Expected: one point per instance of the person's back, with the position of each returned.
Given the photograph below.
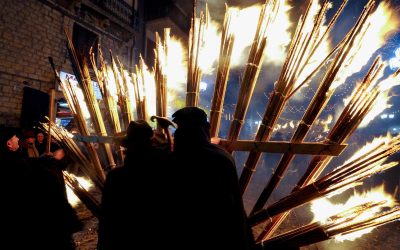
(130, 208)
(208, 207)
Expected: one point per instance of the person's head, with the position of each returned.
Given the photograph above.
(138, 134)
(9, 139)
(29, 137)
(40, 137)
(193, 126)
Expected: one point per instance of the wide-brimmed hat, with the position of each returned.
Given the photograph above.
(138, 132)
(190, 116)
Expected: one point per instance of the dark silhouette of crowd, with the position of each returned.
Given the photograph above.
(181, 197)
(187, 199)
(36, 213)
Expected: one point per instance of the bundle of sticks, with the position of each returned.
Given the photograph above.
(81, 69)
(342, 224)
(303, 47)
(65, 139)
(360, 104)
(221, 80)
(268, 13)
(139, 90)
(194, 73)
(340, 179)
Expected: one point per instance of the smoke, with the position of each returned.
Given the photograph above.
(217, 7)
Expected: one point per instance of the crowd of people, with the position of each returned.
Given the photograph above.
(185, 198)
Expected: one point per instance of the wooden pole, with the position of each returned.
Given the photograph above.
(51, 119)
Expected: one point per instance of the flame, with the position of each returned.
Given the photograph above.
(210, 48)
(81, 99)
(276, 44)
(369, 146)
(176, 72)
(323, 209)
(149, 86)
(85, 183)
(380, 105)
(322, 50)
(111, 85)
(130, 91)
(325, 123)
(244, 24)
(382, 100)
(381, 24)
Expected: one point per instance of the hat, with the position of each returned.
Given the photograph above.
(6, 133)
(138, 132)
(190, 116)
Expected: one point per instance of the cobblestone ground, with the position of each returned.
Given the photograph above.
(87, 238)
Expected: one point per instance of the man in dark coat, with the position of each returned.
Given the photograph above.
(130, 206)
(36, 213)
(208, 209)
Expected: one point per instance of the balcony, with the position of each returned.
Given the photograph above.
(116, 8)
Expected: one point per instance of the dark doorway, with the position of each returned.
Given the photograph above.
(35, 106)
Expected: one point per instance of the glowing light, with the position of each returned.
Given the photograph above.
(369, 146)
(382, 24)
(323, 209)
(72, 198)
(394, 62)
(244, 24)
(203, 86)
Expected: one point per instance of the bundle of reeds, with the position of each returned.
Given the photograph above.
(267, 16)
(119, 85)
(94, 170)
(83, 76)
(303, 47)
(139, 89)
(342, 178)
(196, 39)
(160, 74)
(362, 100)
(224, 63)
(90, 202)
(109, 101)
(341, 224)
(320, 99)
(126, 94)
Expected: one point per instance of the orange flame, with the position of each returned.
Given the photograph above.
(323, 209)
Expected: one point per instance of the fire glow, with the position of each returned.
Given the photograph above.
(72, 198)
(323, 210)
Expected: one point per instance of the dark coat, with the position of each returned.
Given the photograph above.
(131, 207)
(37, 214)
(208, 207)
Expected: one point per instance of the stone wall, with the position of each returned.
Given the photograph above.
(30, 32)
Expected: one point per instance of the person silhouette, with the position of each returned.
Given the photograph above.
(129, 210)
(207, 205)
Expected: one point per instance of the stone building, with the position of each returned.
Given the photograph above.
(33, 30)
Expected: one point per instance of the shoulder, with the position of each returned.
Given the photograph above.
(116, 173)
(221, 152)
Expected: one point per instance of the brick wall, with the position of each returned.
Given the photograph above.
(30, 32)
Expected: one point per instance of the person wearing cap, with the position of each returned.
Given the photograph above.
(130, 202)
(36, 214)
(207, 206)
